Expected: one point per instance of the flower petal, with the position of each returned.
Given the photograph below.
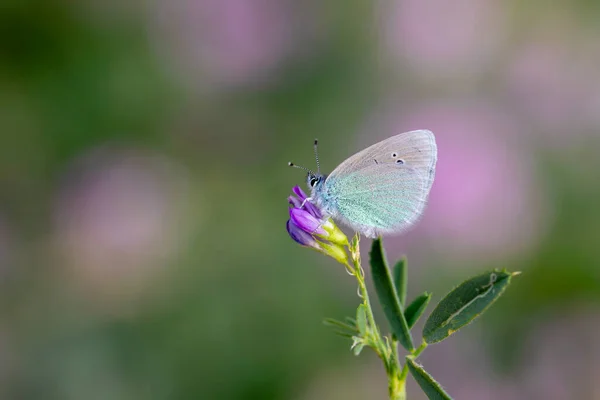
(307, 205)
(301, 236)
(294, 202)
(306, 221)
(298, 191)
(313, 210)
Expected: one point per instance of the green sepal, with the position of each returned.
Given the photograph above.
(416, 308)
(387, 296)
(401, 280)
(357, 345)
(465, 303)
(432, 389)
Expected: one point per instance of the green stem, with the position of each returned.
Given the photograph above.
(397, 386)
(388, 352)
(365, 296)
(416, 353)
(360, 278)
(420, 349)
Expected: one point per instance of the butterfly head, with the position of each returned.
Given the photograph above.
(313, 180)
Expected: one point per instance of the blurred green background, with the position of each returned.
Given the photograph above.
(143, 185)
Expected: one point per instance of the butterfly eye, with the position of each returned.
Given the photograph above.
(313, 182)
(394, 155)
(399, 161)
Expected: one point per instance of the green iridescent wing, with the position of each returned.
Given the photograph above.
(384, 188)
(415, 149)
(379, 198)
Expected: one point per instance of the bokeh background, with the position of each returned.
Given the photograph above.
(143, 185)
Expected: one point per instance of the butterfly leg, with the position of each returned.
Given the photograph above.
(304, 201)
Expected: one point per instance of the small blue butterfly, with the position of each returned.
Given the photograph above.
(382, 189)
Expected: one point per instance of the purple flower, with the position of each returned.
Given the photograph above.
(309, 227)
(301, 236)
(305, 219)
(308, 206)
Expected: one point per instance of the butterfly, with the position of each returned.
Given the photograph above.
(382, 189)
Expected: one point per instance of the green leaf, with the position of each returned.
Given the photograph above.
(432, 389)
(415, 309)
(464, 303)
(361, 319)
(401, 280)
(341, 326)
(387, 296)
(344, 334)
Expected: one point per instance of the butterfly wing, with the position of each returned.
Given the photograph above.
(380, 198)
(384, 188)
(415, 149)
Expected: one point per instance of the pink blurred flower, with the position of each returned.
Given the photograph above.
(485, 201)
(546, 84)
(225, 41)
(116, 220)
(442, 38)
(555, 84)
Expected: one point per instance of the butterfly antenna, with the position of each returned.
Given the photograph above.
(317, 156)
(291, 164)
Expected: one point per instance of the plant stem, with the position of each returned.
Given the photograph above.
(388, 352)
(389, 356)
(379, 345)
(397, 388)
(414, 354)
(386, 349)
(365, 296)
(420, 349)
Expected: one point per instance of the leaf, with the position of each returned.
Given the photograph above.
(432, 389)
(465, 303)
(387, 296)
(344, 334)
(401, 280)
(343, 328)
(416, 308)
(361, 319)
